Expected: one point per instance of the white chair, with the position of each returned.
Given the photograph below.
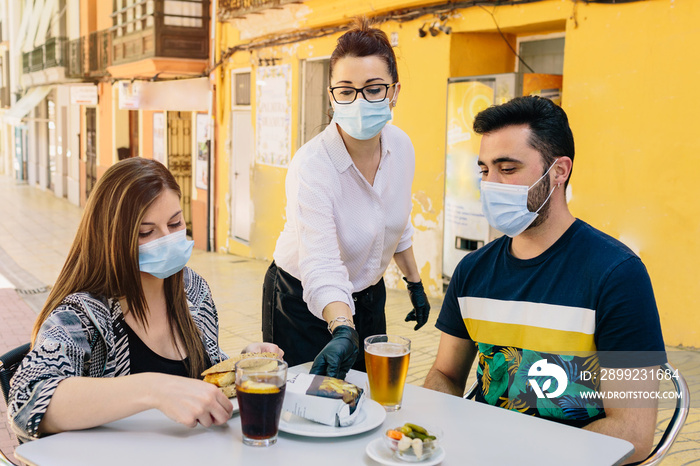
(677, 420)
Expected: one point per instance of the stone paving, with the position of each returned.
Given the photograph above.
(37, 230)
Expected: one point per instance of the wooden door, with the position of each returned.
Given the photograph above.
(180, 159)
(90, 149)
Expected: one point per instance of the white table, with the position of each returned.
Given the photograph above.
(473, 433)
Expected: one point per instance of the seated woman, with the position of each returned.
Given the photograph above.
(127, 327)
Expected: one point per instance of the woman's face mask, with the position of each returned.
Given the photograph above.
(166, 255)
(363, 93)
(362, 119)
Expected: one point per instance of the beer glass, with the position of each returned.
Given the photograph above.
(386, 357)
(260, 384)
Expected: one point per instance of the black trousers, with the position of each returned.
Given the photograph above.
(287, 321)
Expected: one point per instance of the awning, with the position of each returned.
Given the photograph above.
(48, 14)
(36, 14)
(24, 105)
(18, 42)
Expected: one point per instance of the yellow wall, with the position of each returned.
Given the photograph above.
(628, 90)
(631, 94)
(474, 54)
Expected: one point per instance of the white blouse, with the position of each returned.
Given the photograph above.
(341, 232)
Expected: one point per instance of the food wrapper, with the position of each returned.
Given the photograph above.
(322, 399)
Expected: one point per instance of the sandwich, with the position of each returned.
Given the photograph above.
(223, 374)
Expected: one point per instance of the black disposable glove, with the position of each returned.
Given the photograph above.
(421, 306)
(338, 356)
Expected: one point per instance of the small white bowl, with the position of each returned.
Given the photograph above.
(409, 455)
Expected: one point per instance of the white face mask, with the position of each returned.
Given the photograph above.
(505, 205)
(166, 255)
(361, 119)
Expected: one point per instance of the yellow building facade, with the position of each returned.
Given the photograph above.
(629, 88)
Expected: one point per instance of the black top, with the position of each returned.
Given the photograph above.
(144, 359)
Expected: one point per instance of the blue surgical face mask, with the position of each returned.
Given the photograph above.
(361, 119)
(505, 205)
(165, 256)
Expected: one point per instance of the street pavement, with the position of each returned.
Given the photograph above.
(37, 229)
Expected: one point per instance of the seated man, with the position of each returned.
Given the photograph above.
(554, 297)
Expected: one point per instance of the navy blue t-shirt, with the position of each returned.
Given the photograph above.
(579, 304)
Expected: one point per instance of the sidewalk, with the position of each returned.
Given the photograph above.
(37, 230)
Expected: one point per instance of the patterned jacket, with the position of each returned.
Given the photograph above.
(85, 336)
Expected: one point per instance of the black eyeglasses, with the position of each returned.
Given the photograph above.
(372, 93)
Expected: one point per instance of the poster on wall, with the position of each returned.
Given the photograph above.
(202, 146)
(159, 137)
(273, 128)
(466, 228)
(130, 94)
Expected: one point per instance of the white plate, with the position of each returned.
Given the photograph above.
(371, 416)
(378, 451)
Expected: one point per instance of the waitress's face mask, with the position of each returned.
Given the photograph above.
(362, 119)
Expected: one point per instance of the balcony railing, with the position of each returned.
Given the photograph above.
(161, 28)
(99, 52)
(49, 55)
(36, 59)
(143, 29)
(89, 56)
(77, 67)
(55, 53)
(229, 9)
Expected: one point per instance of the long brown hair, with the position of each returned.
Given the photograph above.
(362, 40)
(104, 261)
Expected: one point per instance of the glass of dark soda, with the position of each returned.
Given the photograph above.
(260, 384)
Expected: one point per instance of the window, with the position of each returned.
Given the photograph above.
(315, 103)
(543, 56)
(241, 83)
(133, 15)
(187, 13)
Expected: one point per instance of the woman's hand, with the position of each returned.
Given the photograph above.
(338, 356)
(107, 399)
(263, 348)
(190, 401)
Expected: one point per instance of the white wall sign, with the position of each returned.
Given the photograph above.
(273, 128)
(202, 150)
(130, 95)
(83, 95)
(159, 137)
(192, 95)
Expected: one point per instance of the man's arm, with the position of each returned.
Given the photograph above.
(630, 419)
(452, 365)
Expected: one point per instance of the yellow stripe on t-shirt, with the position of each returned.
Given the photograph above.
(529, 325)
(527, 337)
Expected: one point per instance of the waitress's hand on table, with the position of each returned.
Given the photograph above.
(338, 356)
(190, 401)
(263, 348)
(421, 306)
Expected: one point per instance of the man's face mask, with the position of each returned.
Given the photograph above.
(505, 205)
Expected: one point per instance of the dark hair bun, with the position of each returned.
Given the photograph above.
(363, 40)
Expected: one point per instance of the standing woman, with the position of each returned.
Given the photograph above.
(127, 327)
(348, 213)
